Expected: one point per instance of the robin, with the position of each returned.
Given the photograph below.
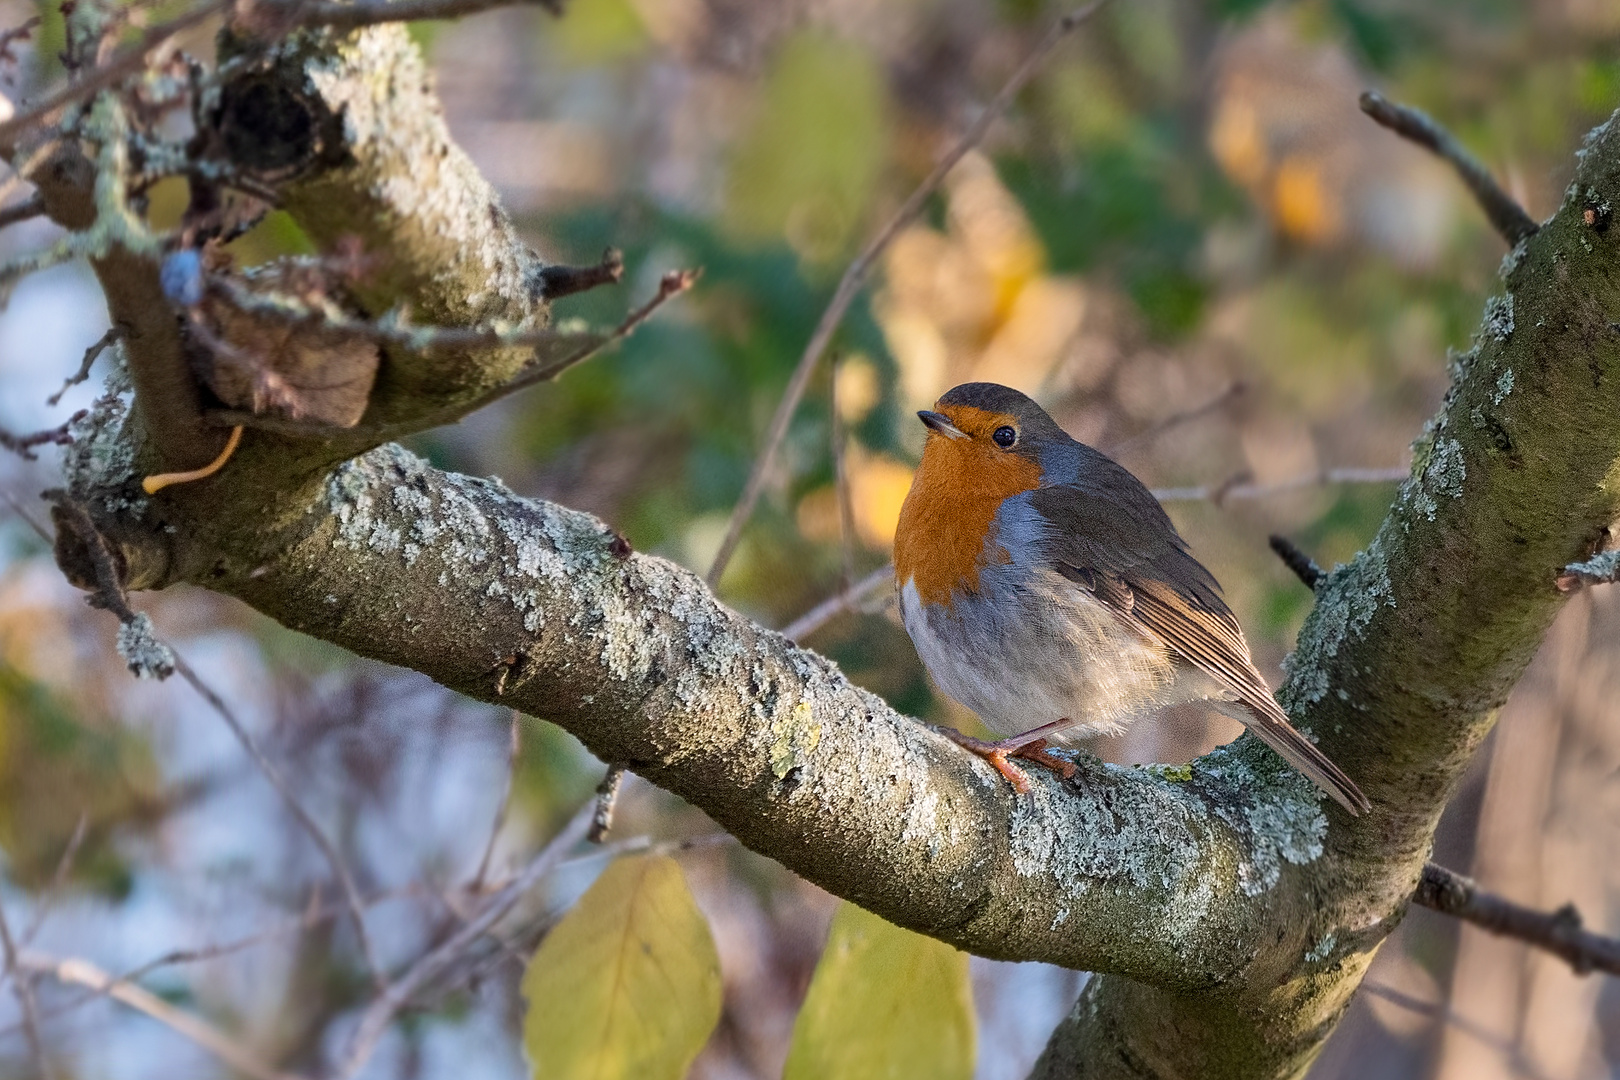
(1046, 589)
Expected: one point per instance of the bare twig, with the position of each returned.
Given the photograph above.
(22, 984)
(91, 83)
(23, 445)
(1233, 489)
(607, 801)
(351, 16)
(81, 972)
(10, 37)
(1231, 391)
(24, 171)
(1558, 932)
(110, 596)
(1601, 569)
(567, 280)
(855, 275)
(31, 207)
(1303, 566)
(64, 867)
(1506, 215)
(334, 858)
(27, 518)
(846, 501)
(514, 746)
(846, 600)
(380, 1014)
(670, 286)
(113, 334)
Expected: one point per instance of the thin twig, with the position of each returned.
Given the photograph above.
(380, 1014)
(1303, 566)
(560, 281)
(31, 207)
(846, 501)
(1601, 569)
(22, 985)
(670, 286)
(10, 37)
(855, 275)
(110, 596)
(64, 867)
(340, 15)
(127, 62)
(28, 519)
(23, 445)
(79, 972)
(1232, 390)
(1558, 932)
(113, 334)
(514, 746)
(607, 801)
(23, 172)
(846, 600)
(334, 858)
(1229, 490)
(1505, 214)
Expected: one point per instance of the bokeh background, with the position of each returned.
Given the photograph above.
(1184, 238)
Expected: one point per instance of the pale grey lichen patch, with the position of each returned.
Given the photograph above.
(1346, 601)
(1144, 833)
(1498, 318)
(1603, 567)
(1279, 810)
(1504, 387)
(101, 458)
(147, 656)
(1512, 260)
(1322, 949)
(1446, 469)
(1459, 364)
(1438, 470)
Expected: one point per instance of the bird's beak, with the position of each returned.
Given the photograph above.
(938, 422)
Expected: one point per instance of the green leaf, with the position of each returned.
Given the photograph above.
(885, 1004)
(627, 984)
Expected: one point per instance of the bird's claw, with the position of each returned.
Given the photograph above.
(999, 753)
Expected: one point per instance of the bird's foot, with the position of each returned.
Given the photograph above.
(1020, 746)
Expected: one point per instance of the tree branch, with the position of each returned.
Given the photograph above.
(1505, 214)
(1558, 932)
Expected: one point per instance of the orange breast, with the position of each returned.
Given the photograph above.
(959, 487)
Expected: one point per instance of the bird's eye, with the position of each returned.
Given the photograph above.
(1005, 437)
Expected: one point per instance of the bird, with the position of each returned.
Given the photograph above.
(1046, 590)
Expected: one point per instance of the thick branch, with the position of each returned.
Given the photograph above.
(397, 560)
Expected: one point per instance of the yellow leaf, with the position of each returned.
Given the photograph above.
(885, 1004)
(627, 984)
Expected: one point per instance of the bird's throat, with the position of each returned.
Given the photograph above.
(940, 543)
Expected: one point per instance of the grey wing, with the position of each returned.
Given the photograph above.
(1126, 552)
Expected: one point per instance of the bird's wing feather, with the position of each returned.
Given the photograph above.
(1110, 535)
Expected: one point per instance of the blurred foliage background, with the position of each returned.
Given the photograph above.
(1185, 239)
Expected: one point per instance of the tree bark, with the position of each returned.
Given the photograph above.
(1230, 911)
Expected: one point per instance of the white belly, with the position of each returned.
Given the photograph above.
(1046, 652)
